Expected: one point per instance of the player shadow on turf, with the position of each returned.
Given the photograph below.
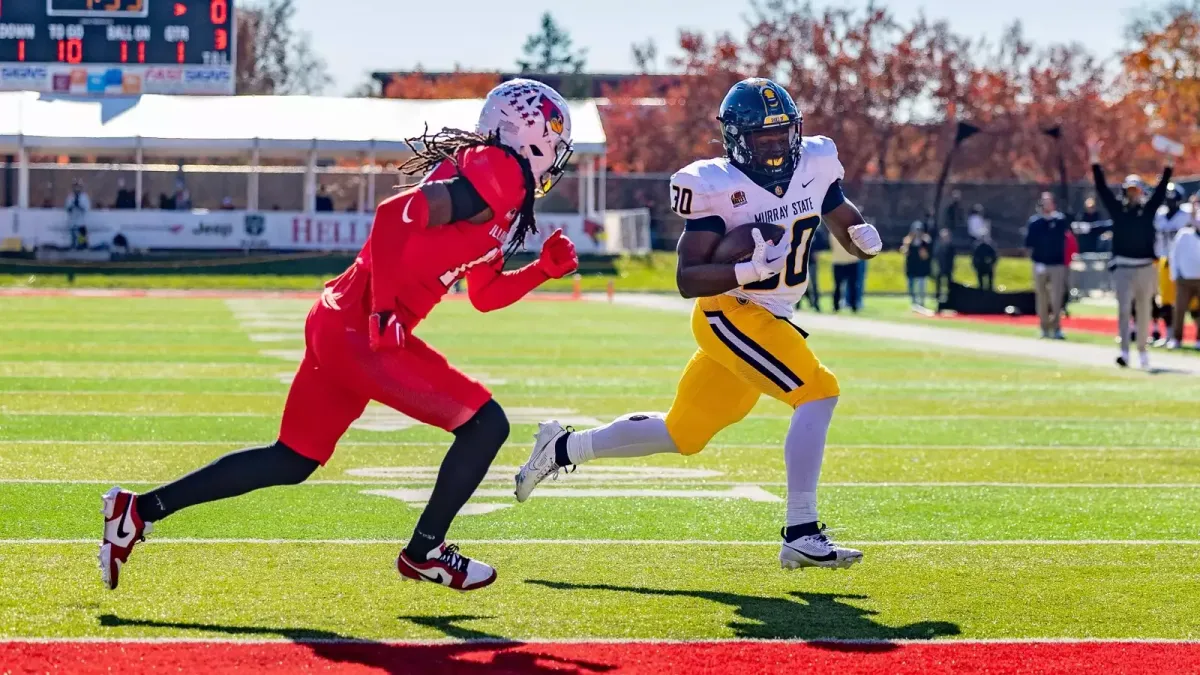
(818, 618)
(455, 658)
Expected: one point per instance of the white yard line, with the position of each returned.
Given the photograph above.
(665, 482)
(1062, 421)
(948, 643)
(710, 446)
(1068, 353)
(626, 542)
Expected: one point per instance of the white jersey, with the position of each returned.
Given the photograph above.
(1167, 227)
(715, 187)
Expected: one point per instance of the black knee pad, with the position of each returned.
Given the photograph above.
(293, 467)
(488, 427)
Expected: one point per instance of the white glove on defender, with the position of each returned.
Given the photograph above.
(766, 261)
(866, 238)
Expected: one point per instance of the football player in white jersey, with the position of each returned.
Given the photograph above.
(741, 320)
(1172, 216)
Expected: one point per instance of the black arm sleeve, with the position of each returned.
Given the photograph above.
(706, 224)
(1106, 196)
(465, 201)
(1160, 192)
(834, 197)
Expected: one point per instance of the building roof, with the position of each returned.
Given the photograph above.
(277, 125)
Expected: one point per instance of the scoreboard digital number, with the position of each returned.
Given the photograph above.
(117, 47)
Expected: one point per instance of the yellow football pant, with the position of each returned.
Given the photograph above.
(745, 351)
(1166, 287)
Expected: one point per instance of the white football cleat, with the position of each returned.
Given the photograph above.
(541, 462)
(123, 529)
(446, 566)
(1144, 360)
(815, 550)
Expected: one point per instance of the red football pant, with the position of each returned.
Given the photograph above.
(340, 375)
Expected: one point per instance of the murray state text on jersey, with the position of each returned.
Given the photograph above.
(795, 210)
(714, 190)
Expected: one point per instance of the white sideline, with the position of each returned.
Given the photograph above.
(946, 642)
(932, 336)
(626, 542)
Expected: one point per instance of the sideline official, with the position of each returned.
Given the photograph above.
(1134, 275)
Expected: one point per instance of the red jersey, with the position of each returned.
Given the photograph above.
(413, 279)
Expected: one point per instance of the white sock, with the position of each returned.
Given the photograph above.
(633, 435)
(803, 453)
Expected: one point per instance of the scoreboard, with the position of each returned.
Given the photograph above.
(118, 47)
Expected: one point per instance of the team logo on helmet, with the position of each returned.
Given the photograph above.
(555, 121)
(774, 105)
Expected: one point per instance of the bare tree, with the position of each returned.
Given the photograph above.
(272, 56)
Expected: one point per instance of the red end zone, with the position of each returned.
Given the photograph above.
(1109, 658)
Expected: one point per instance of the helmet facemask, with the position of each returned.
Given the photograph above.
(773, 150)
(550, 177)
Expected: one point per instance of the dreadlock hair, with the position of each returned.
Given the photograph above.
(429, 150)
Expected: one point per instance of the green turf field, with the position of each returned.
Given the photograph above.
(993, 498)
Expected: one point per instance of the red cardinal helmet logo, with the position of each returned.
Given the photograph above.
(551, 113)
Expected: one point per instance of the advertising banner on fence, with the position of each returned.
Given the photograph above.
(229, 230)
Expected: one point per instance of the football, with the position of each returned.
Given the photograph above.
(738, 244)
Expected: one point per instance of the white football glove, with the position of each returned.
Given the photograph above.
(866, 238)
(767, 260)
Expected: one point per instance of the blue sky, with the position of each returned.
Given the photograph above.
(358, 36)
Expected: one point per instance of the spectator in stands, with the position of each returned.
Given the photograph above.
(182, 197)
(120, 244)
(1132, 264)
(77, 205)
(48, 195)
(146, 201)
(1087, 234)
(977, 225)
(845, 276)
(943, 263)
(324, 201)
(1184, 260)
(954, 214)
(126, 199)
(1046, 241)
(227, 204)
(983, 259)
(917, 249)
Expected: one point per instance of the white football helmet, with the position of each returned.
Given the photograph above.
(532, 119)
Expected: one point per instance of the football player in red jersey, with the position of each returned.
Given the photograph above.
(473, 208)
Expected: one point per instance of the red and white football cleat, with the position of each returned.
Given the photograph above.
(446, 566)
(123, 529)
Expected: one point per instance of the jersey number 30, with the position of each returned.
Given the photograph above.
(796, 271)
(681, 200)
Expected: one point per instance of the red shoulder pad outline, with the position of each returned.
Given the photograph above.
(495, 175)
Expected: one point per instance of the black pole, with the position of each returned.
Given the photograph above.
(962, 132)
(8, 180)
(941, 184)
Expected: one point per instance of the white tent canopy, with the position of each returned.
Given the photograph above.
(274, 125)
